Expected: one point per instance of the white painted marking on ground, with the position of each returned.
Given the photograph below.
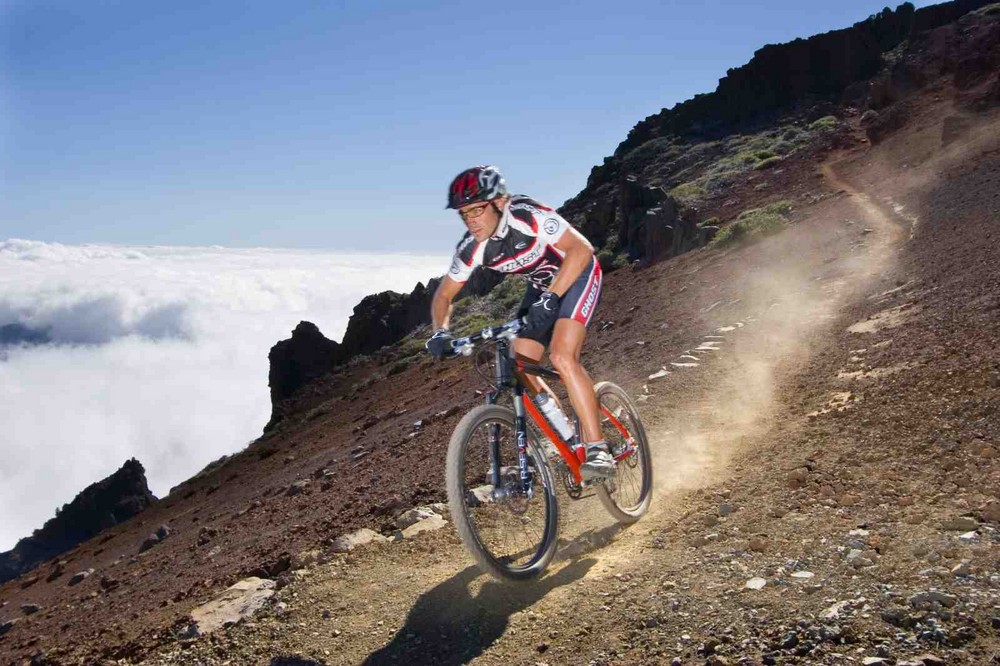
(684, 365)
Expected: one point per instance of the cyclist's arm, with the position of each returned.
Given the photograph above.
(441, 304)
(579, 252)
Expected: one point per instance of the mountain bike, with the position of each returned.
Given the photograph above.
(501, 484)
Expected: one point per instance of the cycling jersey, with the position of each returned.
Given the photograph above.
(524, 242)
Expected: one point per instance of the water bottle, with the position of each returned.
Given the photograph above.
(554, 415)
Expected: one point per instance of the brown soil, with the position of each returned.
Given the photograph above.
(807, 423)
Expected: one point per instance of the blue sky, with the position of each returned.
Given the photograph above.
(336, 125)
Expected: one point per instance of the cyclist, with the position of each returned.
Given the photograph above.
(515, 234)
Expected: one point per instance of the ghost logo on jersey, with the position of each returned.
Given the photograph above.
(551, 226)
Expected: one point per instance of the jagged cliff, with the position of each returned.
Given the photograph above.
(99, 506)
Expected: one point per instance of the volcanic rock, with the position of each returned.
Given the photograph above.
(99, 506)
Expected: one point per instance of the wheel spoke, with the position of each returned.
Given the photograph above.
(511, 527)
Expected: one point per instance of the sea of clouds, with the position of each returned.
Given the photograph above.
(158, 353)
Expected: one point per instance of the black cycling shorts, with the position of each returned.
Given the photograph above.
(578, 303)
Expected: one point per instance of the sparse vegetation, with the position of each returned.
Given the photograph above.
(611, 257)
(399, 366)
(745, 152)
(824, 123)
(688, 191)
(767, 163)
(754, 224)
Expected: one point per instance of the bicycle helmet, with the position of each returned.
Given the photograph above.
(480, 183)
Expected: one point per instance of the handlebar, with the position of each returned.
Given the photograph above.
(508, 330)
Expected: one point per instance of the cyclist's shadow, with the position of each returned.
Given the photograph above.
(448, 626)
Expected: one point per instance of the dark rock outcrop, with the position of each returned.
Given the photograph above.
(294, 362)
(967, 50)
(652, 224)
(378, 320)
(382, 319)
(780, 78)
(99, 506)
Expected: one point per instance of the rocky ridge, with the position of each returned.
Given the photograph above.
(99, 506)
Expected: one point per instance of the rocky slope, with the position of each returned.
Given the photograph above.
(358, 446)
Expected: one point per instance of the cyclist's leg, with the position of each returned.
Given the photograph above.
(575, 312)
(564, 352)
(532, 349)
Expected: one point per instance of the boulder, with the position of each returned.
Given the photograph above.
(58, 569)
(348, 542)
(414, 516)
(80, 577)
(888, 121)
(149, 542)
(236, 604)
(298, 487)
(434, 522)
(7, 626)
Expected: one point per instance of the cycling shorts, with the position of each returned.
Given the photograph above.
(578, 304)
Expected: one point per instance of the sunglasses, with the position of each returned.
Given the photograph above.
(473, 211)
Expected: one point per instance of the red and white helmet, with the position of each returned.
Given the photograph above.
(480, 183)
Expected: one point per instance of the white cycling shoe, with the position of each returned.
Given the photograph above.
(599, 463)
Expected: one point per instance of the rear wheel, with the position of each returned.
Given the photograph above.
(512, 534)
(628, 494)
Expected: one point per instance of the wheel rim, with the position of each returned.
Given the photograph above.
(628, 486)
(509, 526)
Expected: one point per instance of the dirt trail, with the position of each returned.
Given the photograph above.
(422, 601)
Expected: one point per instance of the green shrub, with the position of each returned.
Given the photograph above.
(710, 222)
(721, 180)
(398, 367)
(507, 295)
(412, 345)
(780, 207)
(767, 163)
(754, 224)
(471, 322)
(824, 123)
(791, 133)
(688, 191)
(782, 147)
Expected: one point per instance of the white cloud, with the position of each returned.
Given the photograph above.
(158, 353)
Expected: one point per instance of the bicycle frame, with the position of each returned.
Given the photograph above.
(572, 452)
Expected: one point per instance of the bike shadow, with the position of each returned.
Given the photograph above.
(448, 626)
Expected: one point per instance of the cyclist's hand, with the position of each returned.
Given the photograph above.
(439, 344)
(542, 315)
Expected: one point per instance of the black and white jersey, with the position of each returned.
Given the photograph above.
(523, 243)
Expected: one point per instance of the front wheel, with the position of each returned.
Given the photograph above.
(628, 494)
(509, 530)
